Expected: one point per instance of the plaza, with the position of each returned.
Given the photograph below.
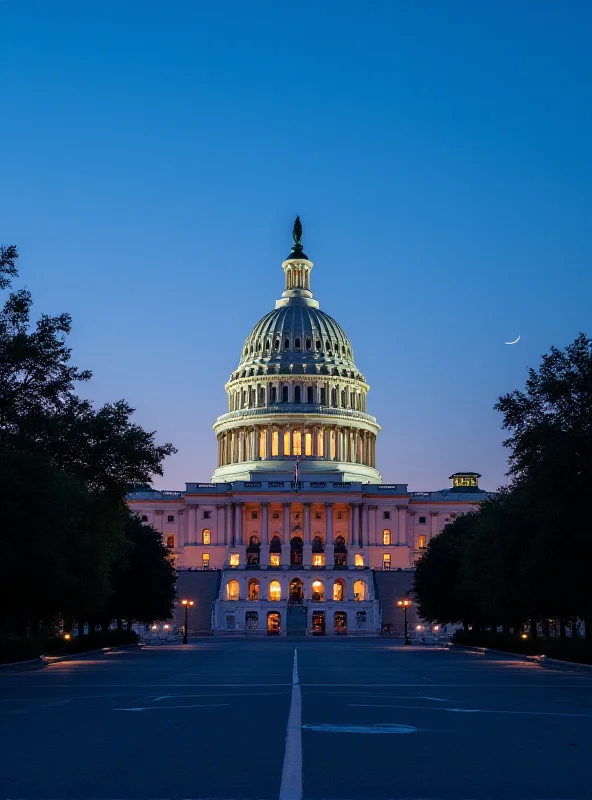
(211, 720)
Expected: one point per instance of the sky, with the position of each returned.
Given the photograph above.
(154, 155)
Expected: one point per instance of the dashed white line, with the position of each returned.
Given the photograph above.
(291, 786)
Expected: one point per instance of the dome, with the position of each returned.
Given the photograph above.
(298, 335)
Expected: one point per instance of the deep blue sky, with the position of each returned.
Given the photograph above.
(154, 155)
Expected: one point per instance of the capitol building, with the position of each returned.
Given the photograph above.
(296, 534)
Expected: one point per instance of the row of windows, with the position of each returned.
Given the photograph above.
(274, 621)
(251, 398)
(305, 343)
(296, 591)
(276, 515)
(317, 542)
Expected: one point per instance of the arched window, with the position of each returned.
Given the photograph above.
(284, 394)
(275, 591)
(286, 344)
(254, 541)
(297, 393)
(262, 396)
(309, 394)
(296, 591)
(340, 552)
(318, 344)
(334, 398)
(308, 344)
(359, 590)
(296, 342)
(273, 393)
(277, 344)
(206, 536)
(317, 544)
(267, 345)
(253, 590)
(296, 551)
(232, 590)
(318, 591)
(386, 537)
(275, 546)
(253, 551)
(170, 541)
(339, 590)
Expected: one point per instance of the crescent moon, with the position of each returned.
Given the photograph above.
(514, 342)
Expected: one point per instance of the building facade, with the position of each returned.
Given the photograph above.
(296, 520)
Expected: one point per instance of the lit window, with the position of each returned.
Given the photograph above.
(275, 591)
(318, 591)
(274, 559)
(359, 590)
(358, 560)
(275, 443)
(205, 561)
(286, 440)
(321, 443)
(262, 444)
(339, 590)
(386, 537)
(232, 590)
(170, 518)
(386, 515)
(170, 540)
(206, 536)
(297, 442)
(234, 560)
(318, 560)
(308, 444)
(422, 520)
(421, 542)
(386, 561)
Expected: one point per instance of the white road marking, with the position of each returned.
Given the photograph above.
(291, 787)
(162, 697)
(387, 728)
(166, 708)
(472, 710)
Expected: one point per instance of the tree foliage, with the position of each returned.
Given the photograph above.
(69, 544)
(529, 553)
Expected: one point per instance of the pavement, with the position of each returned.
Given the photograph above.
(249, 719)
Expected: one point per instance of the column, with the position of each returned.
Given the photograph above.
(291, 432)
(326, 443)
(281, 441)
(373, 537)
(192, 525)
(365, 524)
(401, 524)
(351, 525)
(220, 539)
(307, 547)
(434, 523)
(238, 524)
(264, 525)
(356, 526)
(228, 530)
(268, 442)
(329, 546)
(286, 535)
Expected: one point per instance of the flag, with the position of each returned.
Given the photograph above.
(297, 469)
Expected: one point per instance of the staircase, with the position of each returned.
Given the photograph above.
(296, 621)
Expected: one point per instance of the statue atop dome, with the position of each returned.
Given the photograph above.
(297, 231)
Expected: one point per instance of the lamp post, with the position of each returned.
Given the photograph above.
(186, 603)
(404, 604)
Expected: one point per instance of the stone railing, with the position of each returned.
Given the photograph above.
(297, 408)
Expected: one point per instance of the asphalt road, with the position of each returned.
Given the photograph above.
(368, 719)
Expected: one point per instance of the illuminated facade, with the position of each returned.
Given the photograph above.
(296, 518)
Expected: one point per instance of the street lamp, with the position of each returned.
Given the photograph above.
(404, 604)
(186, 603)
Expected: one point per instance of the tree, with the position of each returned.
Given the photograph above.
(144, 580)
(440, 595)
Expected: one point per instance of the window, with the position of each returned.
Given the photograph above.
(339, 590)
(253, 515)
(275, 591)
(234, 560)
(276, 515)
(230, 622)
(339, 515)
(318, 560)
(275, 441)
(308, 344)
(308, 444)
(386, 536)
(323, 397)
(421, 542)
(277, 344)
(286, 344)
(274, 559)
(297, 439)
(358, 560)
(207, 514)
(253, 590)
(359, 590)
(318, 344)
(206, 536)
(386, 561)
(422, 520)
(386, 514)
(296, 342)
(251, 620)
(205, 561)
(309, 394)
(232, 591)
(285, 396)
(170, 540)
(297, 393)
(144, 518)
(318, 591)
(361, 620)
(170, 518)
